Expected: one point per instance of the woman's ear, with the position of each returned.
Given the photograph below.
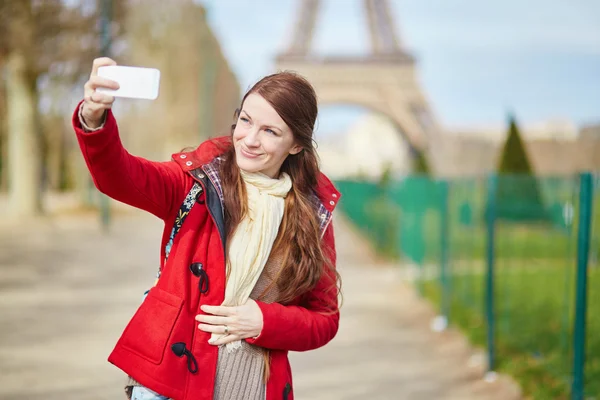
(295, 150)
(236, 115)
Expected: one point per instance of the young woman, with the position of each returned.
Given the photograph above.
(247, 258)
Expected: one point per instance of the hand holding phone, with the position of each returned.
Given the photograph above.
(108, 80)
(95, 103)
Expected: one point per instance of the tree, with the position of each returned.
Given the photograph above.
(420, 164)
(514, 157)
(24, 153)
(3, 151)
(43, 45)
(518, 197)
(385, 180)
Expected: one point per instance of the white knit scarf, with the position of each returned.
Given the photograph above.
(251, 243)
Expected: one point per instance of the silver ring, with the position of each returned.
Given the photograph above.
(226, 330)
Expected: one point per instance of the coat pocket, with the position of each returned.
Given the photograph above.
(149, 330)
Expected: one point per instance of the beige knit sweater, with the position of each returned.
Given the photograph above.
(240, 374)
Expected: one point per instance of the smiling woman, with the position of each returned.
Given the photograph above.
(248, 256)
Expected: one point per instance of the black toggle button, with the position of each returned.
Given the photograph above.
(198, 270)
(286, 391)
(180, 351)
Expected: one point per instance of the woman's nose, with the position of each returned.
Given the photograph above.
(251, 139)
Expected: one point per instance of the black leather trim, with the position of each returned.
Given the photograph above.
(213, 203)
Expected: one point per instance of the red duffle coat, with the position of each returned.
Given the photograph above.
(166, 316)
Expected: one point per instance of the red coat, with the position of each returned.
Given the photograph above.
(166, 316)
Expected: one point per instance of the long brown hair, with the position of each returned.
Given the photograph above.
(298, 243)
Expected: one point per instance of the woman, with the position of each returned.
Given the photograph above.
(247, 258)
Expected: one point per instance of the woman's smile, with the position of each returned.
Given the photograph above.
(248, 154)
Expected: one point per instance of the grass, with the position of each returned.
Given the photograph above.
(535, 266)
(534, 315)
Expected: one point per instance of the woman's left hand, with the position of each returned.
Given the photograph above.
(239, 322)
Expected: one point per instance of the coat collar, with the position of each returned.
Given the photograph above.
(328, 195)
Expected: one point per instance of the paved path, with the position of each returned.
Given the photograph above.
(384, 348)
(67, 291)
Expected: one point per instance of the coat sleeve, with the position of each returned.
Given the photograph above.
(307, 326)
(156, 187)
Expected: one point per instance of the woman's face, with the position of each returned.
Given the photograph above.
(261, 138)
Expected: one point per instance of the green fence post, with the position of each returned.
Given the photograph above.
(490, 216)
(583, 251)
(106, 44)
(444, 237)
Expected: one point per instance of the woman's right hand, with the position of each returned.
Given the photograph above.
(96, 103)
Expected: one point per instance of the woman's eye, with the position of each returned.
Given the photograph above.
(272, 132)
(244, 119)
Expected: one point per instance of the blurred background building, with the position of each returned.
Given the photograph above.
(354, 153)
(555, 148)
(199, 93)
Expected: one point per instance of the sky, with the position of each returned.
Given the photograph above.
(477, 60)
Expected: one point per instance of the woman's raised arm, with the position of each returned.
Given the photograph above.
(157, 187)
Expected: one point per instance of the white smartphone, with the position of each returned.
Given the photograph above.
(134, 82)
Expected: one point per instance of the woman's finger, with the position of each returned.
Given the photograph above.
(214, 319)
(91, 108)
(224, 340)
(101, 62)
(219, 329)
(97, 81)
(219, 310)
(102, 98)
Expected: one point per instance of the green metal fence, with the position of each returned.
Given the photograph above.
(507, 260)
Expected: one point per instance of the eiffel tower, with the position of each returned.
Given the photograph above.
(383, 81)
